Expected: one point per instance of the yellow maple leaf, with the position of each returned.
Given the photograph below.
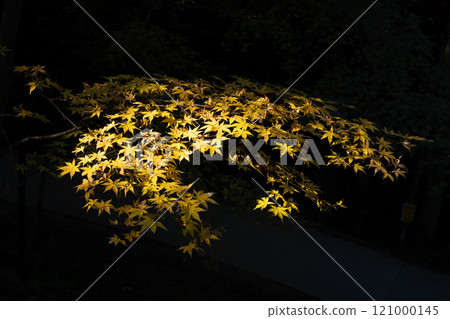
(278, 211)
(70, 168)
(262, 203)
(189, 248)
(116, 240)
(128, 126)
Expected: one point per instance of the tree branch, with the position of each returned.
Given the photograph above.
(45, 137)
(42, 137)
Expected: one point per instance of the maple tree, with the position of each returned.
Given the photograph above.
(134, 185)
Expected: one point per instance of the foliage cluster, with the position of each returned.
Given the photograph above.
(201, 115)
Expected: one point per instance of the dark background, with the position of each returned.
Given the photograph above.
(393, 65)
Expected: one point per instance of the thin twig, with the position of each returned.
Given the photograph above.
(6, 137)
(56, 107)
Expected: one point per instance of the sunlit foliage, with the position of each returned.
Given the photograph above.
(134, 194)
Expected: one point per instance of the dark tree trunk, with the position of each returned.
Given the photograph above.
(432, 200)
(21, 211)
(36, 219)
(8, 32)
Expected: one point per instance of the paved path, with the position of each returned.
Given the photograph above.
(282, 251)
